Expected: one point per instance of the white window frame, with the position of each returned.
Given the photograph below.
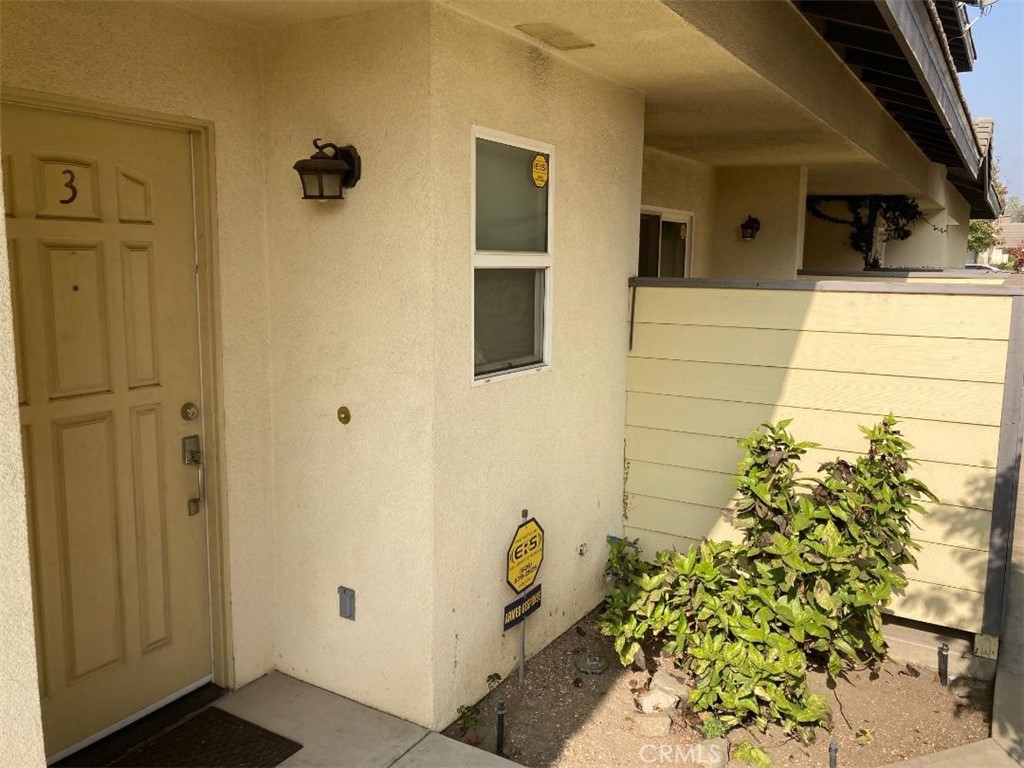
(511, 260)
(675, 216)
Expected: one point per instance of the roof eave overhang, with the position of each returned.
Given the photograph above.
(894, 48)
(958, 33)
(914, 32)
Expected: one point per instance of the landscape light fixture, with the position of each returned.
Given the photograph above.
(329, 171)
(750, 228)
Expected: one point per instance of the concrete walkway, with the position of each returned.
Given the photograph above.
(981, 754)
(337, 732)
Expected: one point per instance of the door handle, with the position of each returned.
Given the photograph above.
(192, 456)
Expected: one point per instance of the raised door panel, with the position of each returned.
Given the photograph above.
(75, 299)
(151, 526)
(67, 187)
(89, 539)
(134, 199)
(138, 277)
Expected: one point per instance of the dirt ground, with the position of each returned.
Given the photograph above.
(561, 717)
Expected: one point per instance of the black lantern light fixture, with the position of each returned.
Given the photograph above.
(750, 228)
(329, 171)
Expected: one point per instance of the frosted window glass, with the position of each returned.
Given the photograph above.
(511, 210)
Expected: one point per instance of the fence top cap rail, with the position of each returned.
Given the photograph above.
(839, 286)
(944, 274)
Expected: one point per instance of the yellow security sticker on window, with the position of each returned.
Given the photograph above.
(540, 171)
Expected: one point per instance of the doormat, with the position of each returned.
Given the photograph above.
(212, 739)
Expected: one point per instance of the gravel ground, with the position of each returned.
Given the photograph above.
(561, 717)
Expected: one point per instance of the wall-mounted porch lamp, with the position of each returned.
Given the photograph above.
(750, 228)
(325, 176)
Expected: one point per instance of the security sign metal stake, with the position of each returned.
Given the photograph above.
(525, 554)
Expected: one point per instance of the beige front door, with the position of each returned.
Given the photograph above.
(103, 273)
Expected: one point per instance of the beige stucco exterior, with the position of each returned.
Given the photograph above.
(21, 731)
(773, 195)
(675, 183)
(351, 302)
(367, 304)
(380, 326)
(550, 442)
(940, 241)
(801, 69)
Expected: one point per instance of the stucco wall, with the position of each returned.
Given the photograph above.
(926, 246)
(351, 303)
(776, 196)
(956, 244)
(21, 732)
(827, 245)
(801, 69)
(366, 304)
(930, 247)
(550, 442)
(670, 181)
(158, 57)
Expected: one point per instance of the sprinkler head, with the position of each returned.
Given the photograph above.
(590, 663)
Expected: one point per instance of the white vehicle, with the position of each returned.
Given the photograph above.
(984, 267)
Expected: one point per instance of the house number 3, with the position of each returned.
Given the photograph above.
(70, 186)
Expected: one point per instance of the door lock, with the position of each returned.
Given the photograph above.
(192, 456)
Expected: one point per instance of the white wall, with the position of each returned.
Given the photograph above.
(670, 181)
(994, 256)
(550, 442)
(158, 57)
(776, 196)
(351, 307)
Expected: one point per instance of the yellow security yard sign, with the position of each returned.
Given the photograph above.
(525, 554)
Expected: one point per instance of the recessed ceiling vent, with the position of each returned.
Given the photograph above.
(555, 36)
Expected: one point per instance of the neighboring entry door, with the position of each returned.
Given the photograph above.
(101, 242)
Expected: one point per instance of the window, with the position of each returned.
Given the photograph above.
(511, 254)
(665, 243)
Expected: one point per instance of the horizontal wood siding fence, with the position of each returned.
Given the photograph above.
(712, 360)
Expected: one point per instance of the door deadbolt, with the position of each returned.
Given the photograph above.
(189, 412)
(192, 456)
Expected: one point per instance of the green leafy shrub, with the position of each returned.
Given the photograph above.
(629, 572)
(746, 752)
(468, 717)
(820, 558)
(713, 728)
